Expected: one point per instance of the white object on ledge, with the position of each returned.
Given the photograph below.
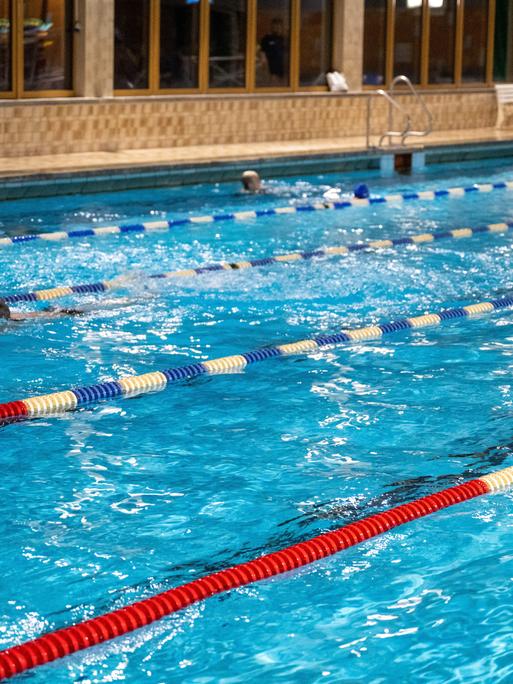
(337, 82)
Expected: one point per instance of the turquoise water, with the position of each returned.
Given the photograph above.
(113, 503)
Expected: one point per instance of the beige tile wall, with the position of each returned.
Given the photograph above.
(133, 123)
(506, 118)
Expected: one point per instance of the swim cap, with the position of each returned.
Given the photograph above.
(361, 191)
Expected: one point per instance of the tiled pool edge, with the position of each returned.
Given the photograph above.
(188, 173)
(85, 182)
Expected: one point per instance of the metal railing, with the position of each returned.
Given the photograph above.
(393, 107)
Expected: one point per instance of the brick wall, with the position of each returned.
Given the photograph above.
(78, 125)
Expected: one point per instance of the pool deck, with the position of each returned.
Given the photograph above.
(207, 154)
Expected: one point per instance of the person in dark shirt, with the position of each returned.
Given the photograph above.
(274, 48)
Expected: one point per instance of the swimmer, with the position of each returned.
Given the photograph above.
(361, 191)
(7, 314)
(251, 182)
(55, 312)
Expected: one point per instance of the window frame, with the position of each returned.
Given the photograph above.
(17, 90)
(204, 87)
(424, 60)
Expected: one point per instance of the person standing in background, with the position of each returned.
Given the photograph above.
(273, 47)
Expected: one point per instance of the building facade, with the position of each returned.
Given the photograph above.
(89, 75)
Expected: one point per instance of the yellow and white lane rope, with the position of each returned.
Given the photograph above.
(122, 281)
(156, 381)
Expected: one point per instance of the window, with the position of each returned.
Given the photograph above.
(47, 44)
(228, 31)
(179, 44)
(503, 43)
(432, 42)
(314, 42)
(5, 46)
(374, 42)
(273, 40)
(212, 45)
(442, 36)
(36, 47)
(475, 29)
(131, 40)
(407, 45)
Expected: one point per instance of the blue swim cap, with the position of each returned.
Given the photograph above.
(361, 191)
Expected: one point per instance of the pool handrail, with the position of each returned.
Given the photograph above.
(394, 105)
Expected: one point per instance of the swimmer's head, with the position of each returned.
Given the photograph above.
(251, 181)
(5, 312)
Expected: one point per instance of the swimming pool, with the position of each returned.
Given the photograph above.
(115, 502)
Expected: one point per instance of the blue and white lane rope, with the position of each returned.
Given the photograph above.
(293, 257)
(166, 225)
(69, 400)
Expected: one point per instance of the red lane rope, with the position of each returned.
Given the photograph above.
(94, 631)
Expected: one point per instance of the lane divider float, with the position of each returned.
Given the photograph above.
(122, 281)
(166, 225)
(69, 400)
(83, 635)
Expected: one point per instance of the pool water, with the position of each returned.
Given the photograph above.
(116, 502)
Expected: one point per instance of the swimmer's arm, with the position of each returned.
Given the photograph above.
(46, 314)
(31, 315)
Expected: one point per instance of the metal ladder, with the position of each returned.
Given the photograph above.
(394, 106)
